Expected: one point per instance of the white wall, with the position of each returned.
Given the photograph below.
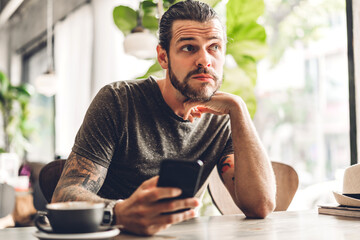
(110, 63)
(4, 46)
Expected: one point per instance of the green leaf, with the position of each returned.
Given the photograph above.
(26, 88)
(238, 82)
(125, 18)
(4, 83)
(242, 11)
(14, 101)
(150, 11)
(149, 7)
(150, 22)
(155, 70)
(248, 65)
(212, 3)
(168, 3)
(254, 49)
(248, 31)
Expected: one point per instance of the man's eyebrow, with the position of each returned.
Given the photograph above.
(182, 39)
(214, 37)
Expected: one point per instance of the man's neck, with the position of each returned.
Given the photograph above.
(173, 98)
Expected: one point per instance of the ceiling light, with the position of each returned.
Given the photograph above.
(46, 83)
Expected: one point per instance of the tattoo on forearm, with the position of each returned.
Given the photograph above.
(224, 164)
(91, 184)
(81, 179)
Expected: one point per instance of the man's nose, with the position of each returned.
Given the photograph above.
(203, 59)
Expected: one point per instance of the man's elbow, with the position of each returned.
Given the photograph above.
(260, 210)
(56, 196)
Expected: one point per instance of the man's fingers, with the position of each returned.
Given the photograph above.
(143, 212)
(187, 114)
(191, 118)
(178, 204)
(192, 113)
(159, 193)
(196, 114)
(152, 182)
(154, 206)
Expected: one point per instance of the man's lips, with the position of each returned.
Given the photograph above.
(203, 77)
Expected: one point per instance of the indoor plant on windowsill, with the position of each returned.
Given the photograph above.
(14, 102)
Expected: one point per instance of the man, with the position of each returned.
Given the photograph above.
(132, 125)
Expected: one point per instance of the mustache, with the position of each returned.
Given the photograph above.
(203, 70)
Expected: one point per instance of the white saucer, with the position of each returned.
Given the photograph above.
(112, 232)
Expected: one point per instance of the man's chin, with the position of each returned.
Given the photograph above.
(200, 97)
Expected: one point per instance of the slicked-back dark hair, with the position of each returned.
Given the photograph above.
(185, 10)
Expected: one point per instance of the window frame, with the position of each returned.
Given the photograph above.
(353, 34)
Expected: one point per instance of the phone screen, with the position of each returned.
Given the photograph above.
(181, 174)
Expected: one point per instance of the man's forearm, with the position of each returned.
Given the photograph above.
(76, 193)
(251, 180)
(81, 179)
(254, 178)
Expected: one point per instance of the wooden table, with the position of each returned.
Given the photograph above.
(279, 225)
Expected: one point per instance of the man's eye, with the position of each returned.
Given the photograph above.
(188, 48)
(215, 47)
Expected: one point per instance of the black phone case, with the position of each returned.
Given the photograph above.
(181, 174)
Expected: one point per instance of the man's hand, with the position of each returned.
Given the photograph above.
(219, 104)
(142, 212)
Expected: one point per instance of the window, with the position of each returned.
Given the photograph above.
(302, 90)
(42, 109)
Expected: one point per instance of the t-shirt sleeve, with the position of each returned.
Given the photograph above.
(98, 134)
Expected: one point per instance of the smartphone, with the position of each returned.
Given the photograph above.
(181, 174)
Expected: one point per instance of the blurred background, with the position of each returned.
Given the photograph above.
(286, 58)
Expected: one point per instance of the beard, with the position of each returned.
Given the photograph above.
(202, 93)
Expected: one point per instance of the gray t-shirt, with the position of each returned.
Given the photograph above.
(130, 129)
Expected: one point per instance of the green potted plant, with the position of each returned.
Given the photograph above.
(16, 128)
(14, 107)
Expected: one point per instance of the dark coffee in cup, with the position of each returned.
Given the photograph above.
(71, 217)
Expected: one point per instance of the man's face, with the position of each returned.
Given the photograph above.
(196, 58)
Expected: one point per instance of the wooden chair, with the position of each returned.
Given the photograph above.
(49, 177)
(287, 182)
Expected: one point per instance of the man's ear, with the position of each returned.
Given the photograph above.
(162, 57)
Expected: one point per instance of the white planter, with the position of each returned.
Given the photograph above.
(9, 167)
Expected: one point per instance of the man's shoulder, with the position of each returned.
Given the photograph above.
(123, 84)
(125, 88)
